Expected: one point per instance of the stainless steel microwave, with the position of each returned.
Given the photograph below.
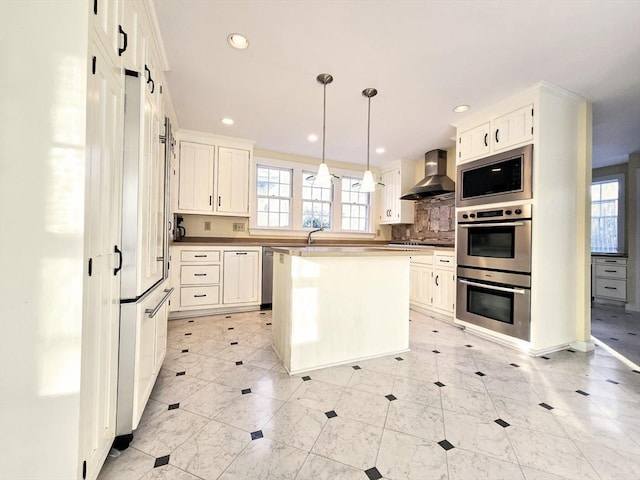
(504, 177)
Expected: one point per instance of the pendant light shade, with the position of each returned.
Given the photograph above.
(323, 177)
(368, 184)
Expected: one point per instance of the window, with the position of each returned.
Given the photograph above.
(316, 204)
(607, 214)
(355, 206)
(274, 197)
(284, 203)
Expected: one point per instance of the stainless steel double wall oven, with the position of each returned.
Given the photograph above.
(494, 243)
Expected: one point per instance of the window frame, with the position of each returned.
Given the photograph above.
(367, 218)
(258, 197)
(620, 178)
(296, 216)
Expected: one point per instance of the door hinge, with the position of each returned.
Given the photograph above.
(84, 469)
(94, 60)
(90, 266)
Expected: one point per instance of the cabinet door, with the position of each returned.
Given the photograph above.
(513, 128)
(421, 289)
(233, 181)
(195, 189)
(101, 287)
(474, 142)
(240, 283)
(443, 289)
(130, 48)
(390, 211)
(105, 18)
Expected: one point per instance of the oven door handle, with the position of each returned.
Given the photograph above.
(492, 287)
(505, 224)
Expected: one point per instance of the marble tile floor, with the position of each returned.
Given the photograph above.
(455, 407)
(617, 328)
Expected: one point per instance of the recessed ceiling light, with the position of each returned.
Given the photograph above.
(461, 108)
(380, 150)
(227, 121)
(237, 40)
(313, 137)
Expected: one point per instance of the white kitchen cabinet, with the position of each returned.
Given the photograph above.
(609, 279)
(432, 284)
(398, 179)
(102, 237)
(213, 175)
(233, 181)
(557, 124)
(421, 281)
(513, 128)
(444, 283)
(474, 143)
(215, 279)
(195, 182)
(504, 131)
(200, 278)
(241, 274)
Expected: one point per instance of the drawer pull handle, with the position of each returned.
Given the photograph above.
(611, 288)
(611, 271)
(199, 274)
(200, 256)
(443, 261)
(241, 253)
(610, 261)
(200, 296)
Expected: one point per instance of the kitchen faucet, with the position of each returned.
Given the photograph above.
(309, 239)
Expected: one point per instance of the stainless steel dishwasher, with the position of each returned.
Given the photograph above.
(267, 278)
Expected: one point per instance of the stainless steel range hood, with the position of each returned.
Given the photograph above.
(435, 181)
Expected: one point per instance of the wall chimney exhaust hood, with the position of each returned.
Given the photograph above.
(435, 181)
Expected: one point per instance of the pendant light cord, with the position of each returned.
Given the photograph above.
(368, 129)
(324, 116)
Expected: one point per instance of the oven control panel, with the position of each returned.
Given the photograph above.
(515, 212)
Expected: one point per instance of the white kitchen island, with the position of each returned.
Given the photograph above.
(335, 305)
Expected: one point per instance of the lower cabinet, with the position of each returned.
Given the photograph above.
(432, 283)
(609, 279)
(241, 272)
(210, 278)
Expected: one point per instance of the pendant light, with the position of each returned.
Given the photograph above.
(323, 177)
(368, 184)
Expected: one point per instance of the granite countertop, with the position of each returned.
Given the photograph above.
(352, 251)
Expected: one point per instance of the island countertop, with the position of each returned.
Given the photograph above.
(357, 251)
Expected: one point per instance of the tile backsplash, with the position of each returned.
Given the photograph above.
(434, 220)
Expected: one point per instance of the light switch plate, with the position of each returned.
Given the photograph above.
(207, 226)
(238, 227)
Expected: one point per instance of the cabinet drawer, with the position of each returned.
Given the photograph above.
(200, 256)
(611, 261)
(422, 260)
(611, 288)
(196, 296)
(199, 274)
(611, 271)
(444, 260)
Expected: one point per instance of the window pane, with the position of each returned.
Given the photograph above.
(284, 206)
(306, 192)
(263, 219)
(274, 175)
(285, 190)
(595, 192)
(262, 188)
(610, 191)
(263, 174)
(263, 204)
(285, 176)
(284, 220)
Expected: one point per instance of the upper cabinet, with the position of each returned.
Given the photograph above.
(213, 175)
(397, 179)
(502, 132)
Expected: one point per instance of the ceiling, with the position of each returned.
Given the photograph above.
(423, 57)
